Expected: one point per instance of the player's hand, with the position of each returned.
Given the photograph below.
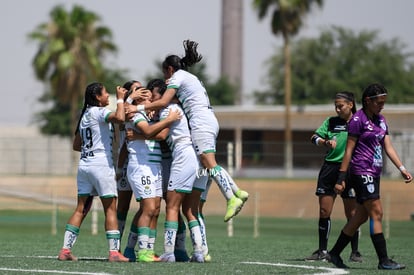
(407, 176)
(331, 143)
(174, 115)
(120, 92)
(339, 188)
(140, 93)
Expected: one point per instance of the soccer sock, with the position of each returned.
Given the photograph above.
(324, 230)
(143, 235)
(195, 234)
(203, 234)
(340, 244)
(232, 184)
(220, 177)
(170, 234)
(113, 239)
(133, 236)
(121, 222)
(71, 235)
(380, 245)
(151, 239)
(355, 241)
(181, 236)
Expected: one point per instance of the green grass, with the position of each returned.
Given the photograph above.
(29, 248)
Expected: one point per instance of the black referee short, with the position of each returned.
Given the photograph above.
(327, 179)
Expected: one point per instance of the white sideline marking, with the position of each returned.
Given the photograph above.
(52, 271)
(52, 257)
(330, 271)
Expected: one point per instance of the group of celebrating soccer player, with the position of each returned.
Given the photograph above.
(167, 132)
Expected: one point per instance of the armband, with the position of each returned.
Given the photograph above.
(141, 108)
(129, 100)
(341, 177)
(315, 140)
(120, 100)
(402, 168)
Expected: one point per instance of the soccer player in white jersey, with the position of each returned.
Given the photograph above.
(203, 123)
(93, 138)
(124, 188)
(144, 174)
(179, 189)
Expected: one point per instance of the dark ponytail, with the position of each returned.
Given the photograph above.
(191, 57)
(92, 90)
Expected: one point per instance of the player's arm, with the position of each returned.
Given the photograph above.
(156, 105)
(77, 142)
(393, 156)
(122, 156)
(343, 170)
(151, 130)
(119, 115)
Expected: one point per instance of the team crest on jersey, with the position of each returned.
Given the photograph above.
(147, 190)
(371, 188)
(383, 126)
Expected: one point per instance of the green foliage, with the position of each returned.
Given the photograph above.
(287, 15)
(340, 59)
(71, 49)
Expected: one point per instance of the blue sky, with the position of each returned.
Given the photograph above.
(146, 31)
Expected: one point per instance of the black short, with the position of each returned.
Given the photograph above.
(327, 180)
(366, 187)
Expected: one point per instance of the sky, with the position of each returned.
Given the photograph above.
(145, 31)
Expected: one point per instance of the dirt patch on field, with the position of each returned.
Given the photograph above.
(272, 198)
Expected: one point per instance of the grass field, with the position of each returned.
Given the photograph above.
(28, 247)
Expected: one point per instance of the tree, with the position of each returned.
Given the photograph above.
(71, 48)
(287, 19)
(340, 59)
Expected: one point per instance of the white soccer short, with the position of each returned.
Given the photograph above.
(145, 180)
(204, 141)
(99, 179)
(183, 170)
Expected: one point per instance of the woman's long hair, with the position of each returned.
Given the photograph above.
(92, 90)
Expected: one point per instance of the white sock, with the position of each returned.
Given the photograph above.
(113, 239)
(195, 234)
(70, 237)
(170, 235)
(143, 236)
(220, 176)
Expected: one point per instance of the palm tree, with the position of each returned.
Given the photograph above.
(287, 19)
(71, 49)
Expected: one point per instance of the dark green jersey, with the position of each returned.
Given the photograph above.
(334, 128)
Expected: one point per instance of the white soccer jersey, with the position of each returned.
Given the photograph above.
(96, 174)
(148, 151)
(184, 164)
(144, 163)
(194, 99)
(97, 135)
(179, 134)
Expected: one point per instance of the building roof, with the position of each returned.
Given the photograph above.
(400, 117)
